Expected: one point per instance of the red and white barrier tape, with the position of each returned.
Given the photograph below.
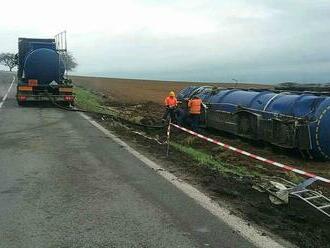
(251, 155)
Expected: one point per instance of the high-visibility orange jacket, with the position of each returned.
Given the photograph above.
(171, 101)
(195, 106)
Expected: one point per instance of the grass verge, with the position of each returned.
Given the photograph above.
(210, 162)
(89, 101)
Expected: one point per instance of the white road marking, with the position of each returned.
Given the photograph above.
(6, 95)
(249, 232)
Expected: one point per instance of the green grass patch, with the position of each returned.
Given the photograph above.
(206, 160)
(89, 101)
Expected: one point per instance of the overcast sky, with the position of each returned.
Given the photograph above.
(199, 40)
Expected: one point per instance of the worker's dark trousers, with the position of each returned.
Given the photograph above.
(194, 121)
(171, 112)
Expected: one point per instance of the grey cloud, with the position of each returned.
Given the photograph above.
(285, 41)
(292, 44)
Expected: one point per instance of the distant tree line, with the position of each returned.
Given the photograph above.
(69, 61)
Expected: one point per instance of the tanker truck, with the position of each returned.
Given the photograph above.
(292, 120)
(41, 73)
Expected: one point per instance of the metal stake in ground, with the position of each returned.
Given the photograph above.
(168, 138)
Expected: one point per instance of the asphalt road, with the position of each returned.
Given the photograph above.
(63, 183)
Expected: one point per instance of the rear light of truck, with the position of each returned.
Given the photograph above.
(25, 88)
(68, 98)
(22, 98)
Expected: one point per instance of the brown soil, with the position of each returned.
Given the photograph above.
(139, 91)
(296, 222)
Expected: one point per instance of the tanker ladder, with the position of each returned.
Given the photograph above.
(314, 199)
(280, 189)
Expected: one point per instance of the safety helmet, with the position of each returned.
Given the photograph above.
(171, 93)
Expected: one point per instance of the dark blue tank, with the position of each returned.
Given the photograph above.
(44, 65)
(285, 119)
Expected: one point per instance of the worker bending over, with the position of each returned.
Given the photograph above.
(171, 104)
(195, 107)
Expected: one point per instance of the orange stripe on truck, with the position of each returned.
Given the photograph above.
(25, 88)
(67, 90)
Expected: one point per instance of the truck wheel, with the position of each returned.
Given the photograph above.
(20, 103)
(65, 104)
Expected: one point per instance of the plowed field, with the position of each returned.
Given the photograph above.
(139, 91)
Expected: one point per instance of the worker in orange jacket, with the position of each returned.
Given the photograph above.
(171, 103)
(195, 108)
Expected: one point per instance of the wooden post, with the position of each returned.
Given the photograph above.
(168, 138)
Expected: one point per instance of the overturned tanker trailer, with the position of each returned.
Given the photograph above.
(286, 119)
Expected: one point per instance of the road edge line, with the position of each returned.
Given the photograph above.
(251, 233)
(6, 95)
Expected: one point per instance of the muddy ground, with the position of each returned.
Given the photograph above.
(295, 222)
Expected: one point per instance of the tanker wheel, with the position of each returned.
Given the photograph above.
(65, 104)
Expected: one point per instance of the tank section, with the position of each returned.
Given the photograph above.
(44, 65)
(39, 60)
(285, 119)
(26, 45)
